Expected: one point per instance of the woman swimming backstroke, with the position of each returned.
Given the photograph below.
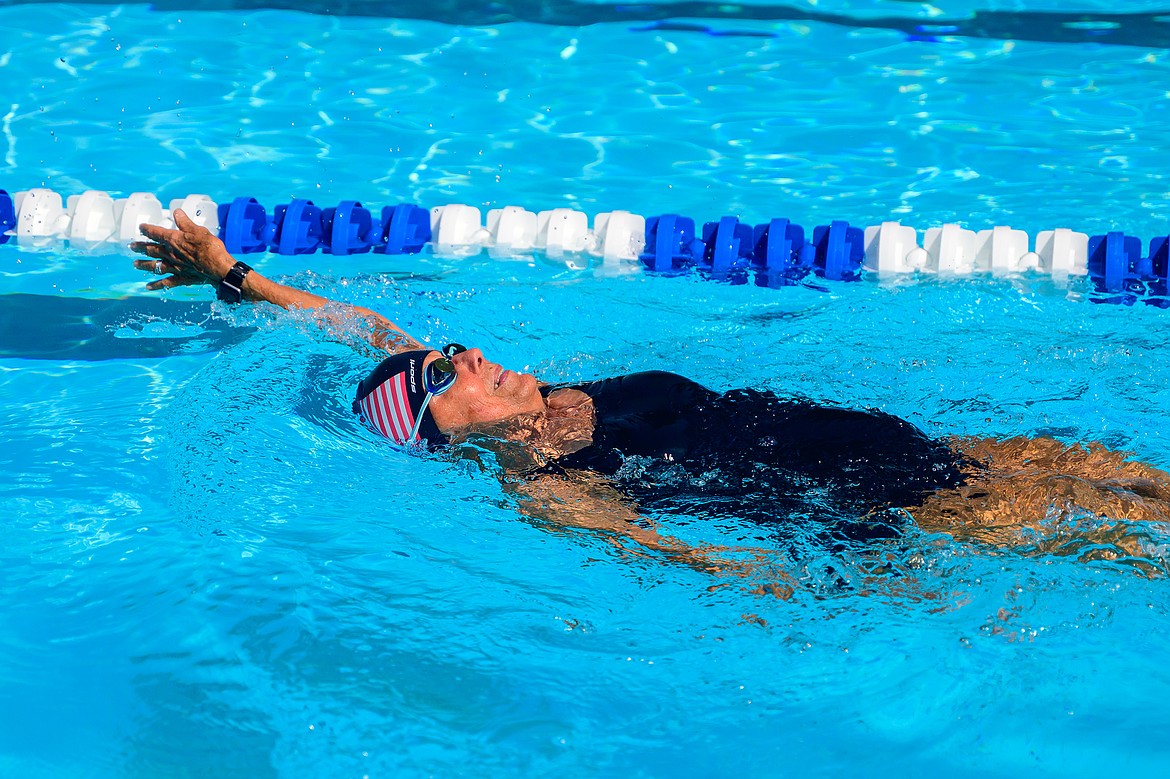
(599, 454)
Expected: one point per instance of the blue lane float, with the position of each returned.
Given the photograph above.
(670, 243)
(727, 246)
(1160, 259)
(1115, 261)
(403, 229)
(775, 253)
(840, 251)
(7, 216)
(778, 253)
(298, 228)
(347, 229)
(245, 227)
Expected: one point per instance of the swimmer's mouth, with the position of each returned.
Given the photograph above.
(500, 378)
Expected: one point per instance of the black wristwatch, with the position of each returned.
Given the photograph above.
(231, 289)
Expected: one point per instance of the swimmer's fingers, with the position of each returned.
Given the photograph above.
(157, 267)
(187, 237)
(193, 251)
(178, 280)
(178, 273)
(163, 262)
(162, 265)
(186, 231)
(158, 233)
(185, 223)
(157, 251)
(162, 239)
(191, 247)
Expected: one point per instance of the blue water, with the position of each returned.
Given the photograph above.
(212, 570)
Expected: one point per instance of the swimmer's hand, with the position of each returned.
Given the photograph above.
(566, 402)
(187, 255)
(191, 254)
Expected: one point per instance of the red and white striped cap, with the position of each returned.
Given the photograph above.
(391, 400)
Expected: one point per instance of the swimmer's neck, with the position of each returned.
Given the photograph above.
(521, 442)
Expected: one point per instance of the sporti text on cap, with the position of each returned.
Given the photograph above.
(393, 400)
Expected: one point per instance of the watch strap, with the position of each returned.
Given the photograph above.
(231, 288)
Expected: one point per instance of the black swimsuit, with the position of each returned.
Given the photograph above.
(674, 445)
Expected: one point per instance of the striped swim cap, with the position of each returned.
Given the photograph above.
(391, 400)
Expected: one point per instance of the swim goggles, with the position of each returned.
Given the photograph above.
(438, 377)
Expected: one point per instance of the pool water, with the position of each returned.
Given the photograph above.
(213, 569)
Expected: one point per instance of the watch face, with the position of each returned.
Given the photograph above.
(230, 290)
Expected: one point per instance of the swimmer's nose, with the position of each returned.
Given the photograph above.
(470, 360)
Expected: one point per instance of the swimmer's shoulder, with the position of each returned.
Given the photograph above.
(642, 389)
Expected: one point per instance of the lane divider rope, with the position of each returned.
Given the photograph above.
(778, 253)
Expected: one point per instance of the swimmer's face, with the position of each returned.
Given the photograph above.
(483, 392)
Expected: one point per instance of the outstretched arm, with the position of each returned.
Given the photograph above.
(191, 254)
(574, 498)
(585, 500)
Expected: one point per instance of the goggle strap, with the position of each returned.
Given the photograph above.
(418, 419)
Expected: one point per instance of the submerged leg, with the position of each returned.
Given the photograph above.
(1044, 497)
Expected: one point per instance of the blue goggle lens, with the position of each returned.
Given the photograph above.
(440, 374)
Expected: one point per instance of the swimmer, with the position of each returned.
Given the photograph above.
(596, 454)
